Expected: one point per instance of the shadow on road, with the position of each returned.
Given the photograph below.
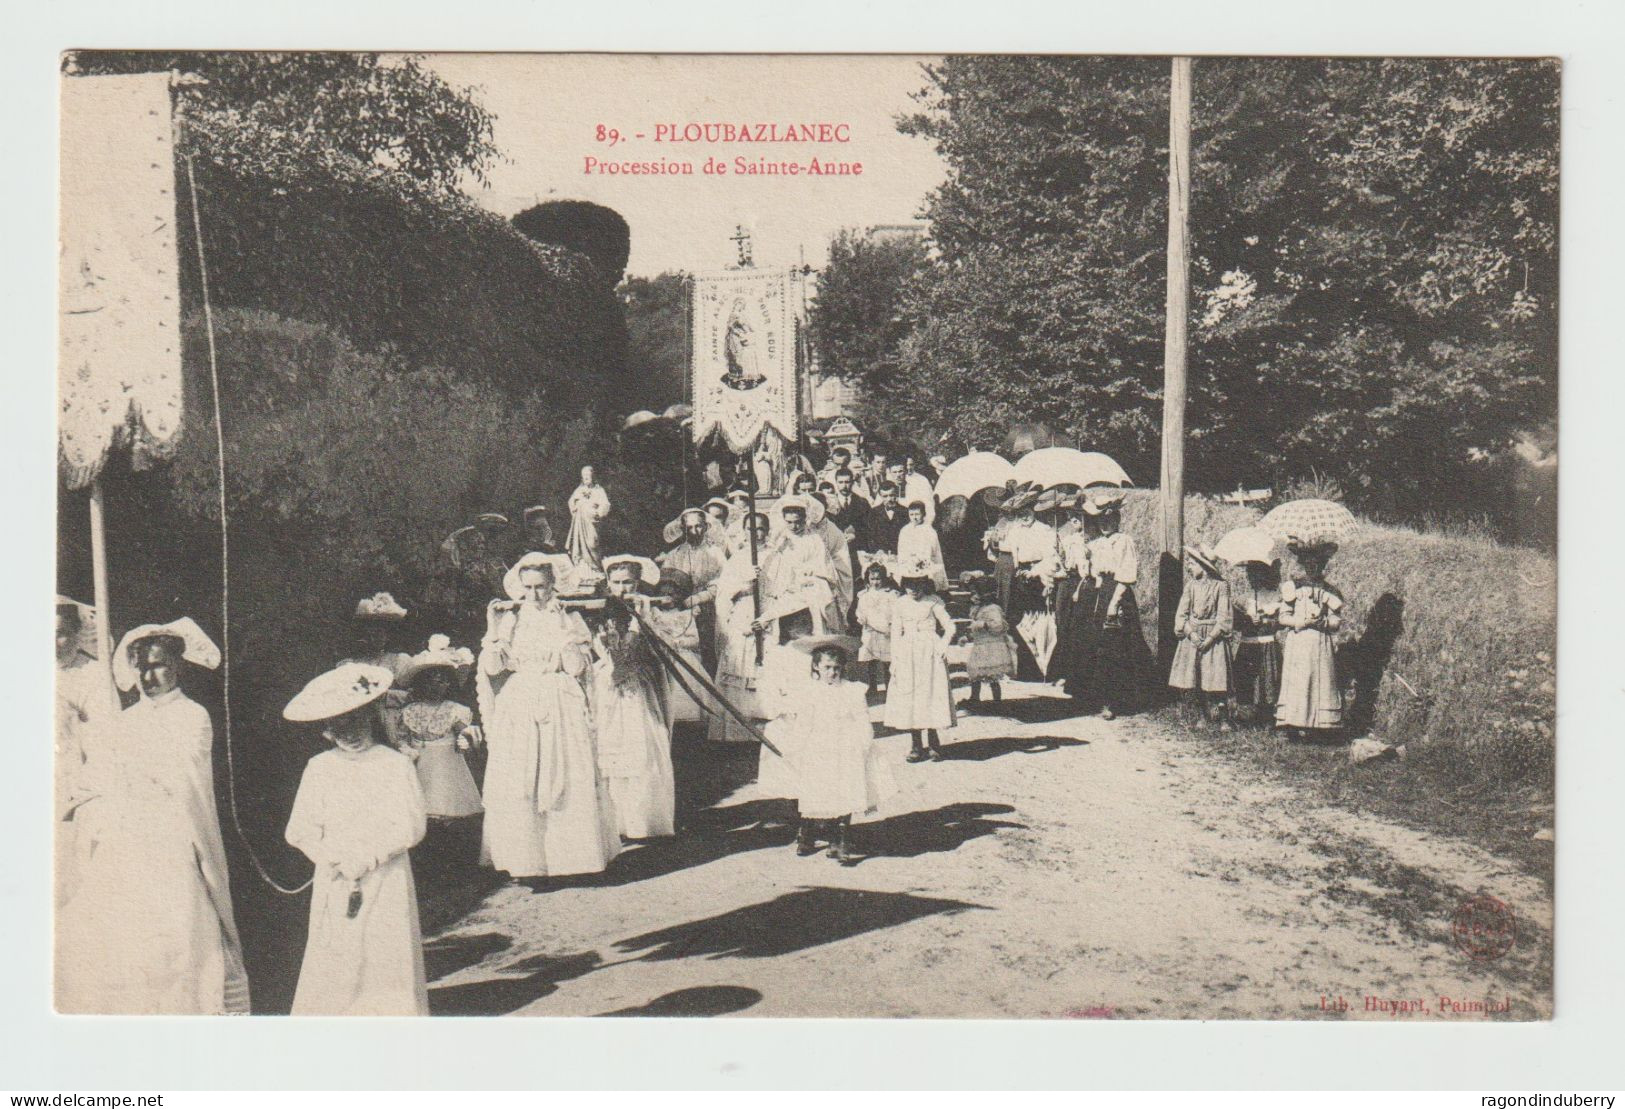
(809, 917)
(929, 831)
(992, 747)
(696, 1001)
(537, 977)
(449, 954)
(1028, 710)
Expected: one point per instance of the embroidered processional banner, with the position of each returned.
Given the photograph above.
(119, 368)
(744, 356)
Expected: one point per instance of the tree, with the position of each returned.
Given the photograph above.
(1374, 259)
(591, 229)
(857, 320)
(656, 339)
(296, 117)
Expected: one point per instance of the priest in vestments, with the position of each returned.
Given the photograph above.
(702, 560)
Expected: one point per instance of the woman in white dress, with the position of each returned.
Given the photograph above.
(151, 928)
(84, 700)
(919, 696)
(630, 707)
(547, 809)
(358, 813)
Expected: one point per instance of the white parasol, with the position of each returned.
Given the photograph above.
(968, 476)
(1248, 544)
(1052, 466)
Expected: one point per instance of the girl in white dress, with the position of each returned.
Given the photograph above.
(359, 811)
(919, 696)
(874, 623)
(839, 770)
(547, 808)
(919, 550)
(437, 730)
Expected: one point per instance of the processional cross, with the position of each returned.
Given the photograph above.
(741, 240)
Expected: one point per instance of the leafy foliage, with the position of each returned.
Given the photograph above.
(656, 339)
(857, 320)
(1374, 265)
(590, 229)
(296, 117)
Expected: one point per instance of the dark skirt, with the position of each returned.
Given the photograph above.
(1004, 573)
(1026, 595)
(1256, 677)
(1110, 664)
(1069, 616)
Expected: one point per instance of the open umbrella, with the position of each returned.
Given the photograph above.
(968, 476)
(1052, 466)
(1309, 521)
(1248, 544)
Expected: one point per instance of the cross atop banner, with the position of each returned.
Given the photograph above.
(744, 356)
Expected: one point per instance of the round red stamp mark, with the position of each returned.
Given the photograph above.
(1483, 928)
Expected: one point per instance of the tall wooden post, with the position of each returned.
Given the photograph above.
(1170, 576)
(98, 573)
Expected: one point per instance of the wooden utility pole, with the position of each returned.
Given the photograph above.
(1170, 577)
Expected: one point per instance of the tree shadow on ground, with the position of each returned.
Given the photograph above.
(696, 1001)
(930, 831)
(992, 747)
(536, 977)
(449, 954)
(809, 917)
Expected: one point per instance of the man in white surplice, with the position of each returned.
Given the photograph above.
(799, 579)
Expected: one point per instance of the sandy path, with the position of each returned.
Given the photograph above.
(1051, 868)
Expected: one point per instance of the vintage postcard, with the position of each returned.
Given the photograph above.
(807, 536)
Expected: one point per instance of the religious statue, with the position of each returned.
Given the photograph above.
(739, 349)
(588, 505)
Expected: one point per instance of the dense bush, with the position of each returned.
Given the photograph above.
(589, 229)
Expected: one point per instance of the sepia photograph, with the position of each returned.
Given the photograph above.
(1029, 536)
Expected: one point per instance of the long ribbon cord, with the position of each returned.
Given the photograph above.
(225, 551)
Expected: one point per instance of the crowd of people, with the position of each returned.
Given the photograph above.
(777, 627)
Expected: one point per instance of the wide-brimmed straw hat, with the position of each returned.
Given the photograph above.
(1097, 502)
(491, 518)
(1049, 500)
(718, 502)
(341, 690)
(560, 566)
(196, 647)
(1020, 501)
(379, 606)
(1204, 557)
(846, 644)
(648, 571)
(439, 653)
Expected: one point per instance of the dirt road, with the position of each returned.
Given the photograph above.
(1051, 867)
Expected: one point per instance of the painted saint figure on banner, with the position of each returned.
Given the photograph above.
(739, 348)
